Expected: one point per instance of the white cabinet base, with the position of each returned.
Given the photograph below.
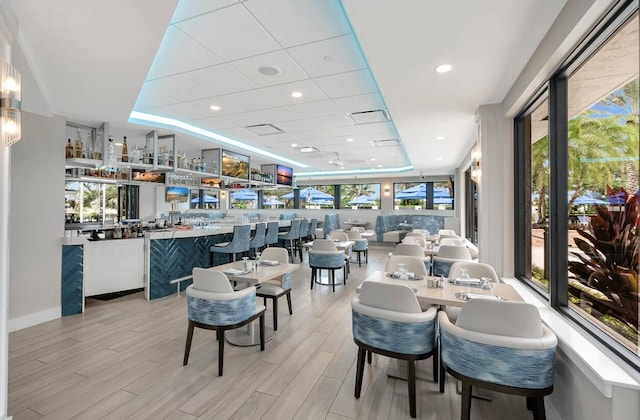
(113, 266)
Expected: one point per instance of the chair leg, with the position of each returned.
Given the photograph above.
(262, 332)
(466, 401)
(536, 405)
(411, 380)
(220, 352)
(359, 262)
(369, 357)
(366, 256)
(359, 371)
(332, 273)
(275, 314)
(435, 366)
(187, 346)
(289, 302)
(313, 277)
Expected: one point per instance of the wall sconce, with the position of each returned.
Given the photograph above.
(476, 172)
(10, 97)
(387, 190)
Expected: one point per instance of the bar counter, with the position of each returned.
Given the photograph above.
(112, 265)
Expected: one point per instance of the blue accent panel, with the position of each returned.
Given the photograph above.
(174, 258)
(391, 222)
(499, 365)
(287, 281)
(331, 223)
(287, 216)
(399, 337)
(72, 270)
(221, 312)
(441, 268)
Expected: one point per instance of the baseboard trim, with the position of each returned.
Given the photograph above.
(30, 320)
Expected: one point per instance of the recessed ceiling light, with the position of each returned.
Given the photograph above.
(214, 108)
(443, 68)
(379, 165)
(373, 159)
(330, 161)
(307, 149)
(294, 144)
(438, 158)
(440, 138)
(349, 139)
(296, 94)
(269, 71)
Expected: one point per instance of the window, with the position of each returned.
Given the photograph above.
(360, 196)
(578, 148)
(317, 196)
(87, 202)
(278, 198)
(423, 195)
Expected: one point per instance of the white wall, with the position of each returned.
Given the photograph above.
(37, 221)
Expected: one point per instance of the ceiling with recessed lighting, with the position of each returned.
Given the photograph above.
(354, 82)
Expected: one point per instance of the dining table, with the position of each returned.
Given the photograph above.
(266, 270)
(447, 293)
(431, 251)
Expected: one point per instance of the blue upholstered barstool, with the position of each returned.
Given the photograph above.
(311, 233)
(304, 229)
(258, 240)
(271, 237)
(290, 238)
(239, 243)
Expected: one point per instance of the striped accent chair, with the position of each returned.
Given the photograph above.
(500, 346)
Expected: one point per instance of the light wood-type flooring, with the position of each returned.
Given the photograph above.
(122, 359)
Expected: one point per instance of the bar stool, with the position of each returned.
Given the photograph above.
(272, 233)
(292, 235)
(313, 227)
(239, 243)
(258, 240)
(304, 229)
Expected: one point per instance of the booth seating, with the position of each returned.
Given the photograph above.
(388, 227)
(331, 223)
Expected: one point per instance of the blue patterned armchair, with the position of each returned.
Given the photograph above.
(361, 245)
(387, 320)
(321, 259)
(212, 304)
(500, 346)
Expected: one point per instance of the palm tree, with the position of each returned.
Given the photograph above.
(540, 173)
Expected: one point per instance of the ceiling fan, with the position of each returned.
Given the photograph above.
(339, 161)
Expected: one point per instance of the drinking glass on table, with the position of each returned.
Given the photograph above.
(402, 269)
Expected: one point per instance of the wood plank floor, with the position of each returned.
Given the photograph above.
(122, 359)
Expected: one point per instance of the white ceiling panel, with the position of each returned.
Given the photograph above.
(228, 121)
(295, 22)
(187, 9)
(220, 79)
(290, 70)
(330, 121)
(385, 129)
(195, 110)
(329, 56)
(295, 126)
(169, 90)
(276, 115)
(359, 103)
(253, 99)
(182, 53)
(316, 109)
(344, 132)
(347, 84)
(310, 92)
(231, 33)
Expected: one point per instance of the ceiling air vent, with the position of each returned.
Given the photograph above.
(385, 143)
(367, 117)
(264, 129)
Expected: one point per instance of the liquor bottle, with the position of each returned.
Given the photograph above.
(77, 146)
(68, 149)
(88, 146)
(125, 152)
(111, 151)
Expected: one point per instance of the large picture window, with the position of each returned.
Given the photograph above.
(578, 148)
(423, 195)
(360, 196)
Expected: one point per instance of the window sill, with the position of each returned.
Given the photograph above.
(604, 372)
